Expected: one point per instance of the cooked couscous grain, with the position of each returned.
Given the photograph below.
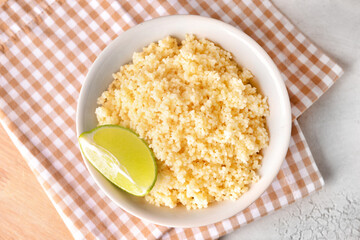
(200, 115)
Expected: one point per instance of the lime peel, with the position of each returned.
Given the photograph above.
(121, 156)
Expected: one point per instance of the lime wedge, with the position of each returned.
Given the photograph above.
(121, 156)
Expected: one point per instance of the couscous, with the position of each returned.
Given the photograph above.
(200, 115)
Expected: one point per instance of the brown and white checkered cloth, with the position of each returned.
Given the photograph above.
(47, 48)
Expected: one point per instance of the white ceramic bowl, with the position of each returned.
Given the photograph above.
(247, 53)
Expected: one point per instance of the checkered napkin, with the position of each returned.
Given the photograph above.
(47, 48)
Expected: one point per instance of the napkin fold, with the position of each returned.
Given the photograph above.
(47, 48)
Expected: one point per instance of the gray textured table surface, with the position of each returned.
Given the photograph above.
(332, 129)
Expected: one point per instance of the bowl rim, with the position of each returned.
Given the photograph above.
(267, 59)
